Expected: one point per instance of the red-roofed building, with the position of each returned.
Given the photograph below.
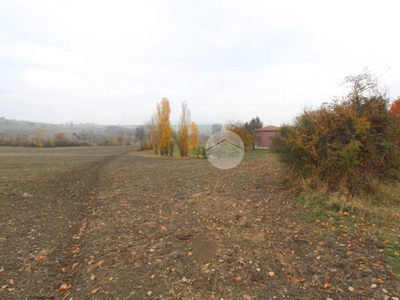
(263, 136)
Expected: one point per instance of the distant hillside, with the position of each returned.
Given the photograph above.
(15, 127)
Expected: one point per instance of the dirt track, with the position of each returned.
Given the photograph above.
(127, 226)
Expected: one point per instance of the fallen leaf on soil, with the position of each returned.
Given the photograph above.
(374, 286)
(238, 278)
(246, 297)
(64, 287)
(11, 281)
(92, 277)
(190, 253)
(40, 257)
(95, 290)
(379, 280)
(271, 274)
(100, 263)
(351, 289)
(326, 286)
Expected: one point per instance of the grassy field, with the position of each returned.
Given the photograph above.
(115, 223)
(248, 154)
(375, 215)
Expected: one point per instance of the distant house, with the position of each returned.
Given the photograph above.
(263, 136)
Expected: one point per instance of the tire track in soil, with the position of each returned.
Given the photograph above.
(94, 175)
(40, 236)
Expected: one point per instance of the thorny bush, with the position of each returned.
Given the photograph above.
(346, 145)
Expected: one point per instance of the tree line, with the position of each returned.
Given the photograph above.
(245, 131)
(113, 136)
(40, 140)
(156, 134)
(159, 135)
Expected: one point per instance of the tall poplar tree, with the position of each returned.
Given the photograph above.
(183, 130)
(194, 137)
(164, 126)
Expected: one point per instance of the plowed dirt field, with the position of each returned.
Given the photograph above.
(113, 223)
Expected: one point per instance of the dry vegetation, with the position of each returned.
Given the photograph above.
(344, 157)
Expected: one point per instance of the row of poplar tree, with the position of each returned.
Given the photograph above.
(162, 136)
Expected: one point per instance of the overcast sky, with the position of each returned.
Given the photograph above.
(110, 62)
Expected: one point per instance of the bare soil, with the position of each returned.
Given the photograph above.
(120, 224)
